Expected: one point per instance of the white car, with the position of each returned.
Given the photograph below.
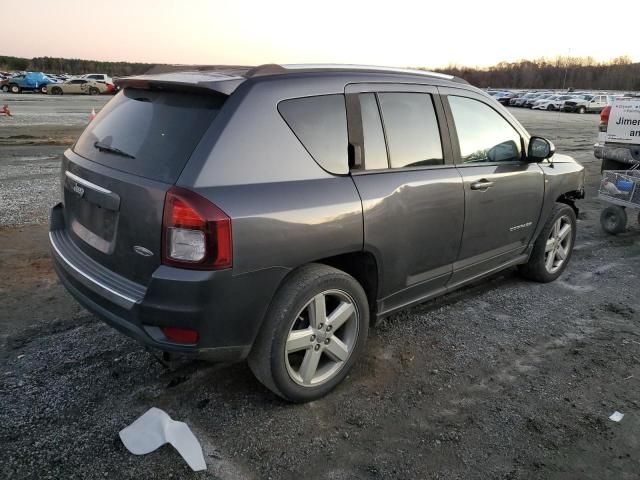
(553, 102)
(98, 77)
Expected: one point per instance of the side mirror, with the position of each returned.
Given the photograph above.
(540, 149)
(503, 152)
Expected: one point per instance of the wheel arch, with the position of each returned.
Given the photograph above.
(569, 198)
(363, 266)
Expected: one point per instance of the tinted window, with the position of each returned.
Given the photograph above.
(412, 130)
(320, 123)
(160, 129)
(375, 150)
(483, 135)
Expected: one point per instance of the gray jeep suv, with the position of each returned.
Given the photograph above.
(273, 213)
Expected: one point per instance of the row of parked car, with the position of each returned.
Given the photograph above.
(577, 102)
(89, 84)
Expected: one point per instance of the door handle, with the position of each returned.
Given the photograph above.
(481, 185)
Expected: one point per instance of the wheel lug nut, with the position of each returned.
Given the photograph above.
(313, 337)
(326, 341)
(317, 347)
(320, 326)
(328, 328)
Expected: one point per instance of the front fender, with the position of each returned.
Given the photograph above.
(563, 178)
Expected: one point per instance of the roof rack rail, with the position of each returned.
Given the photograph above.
(276, 69)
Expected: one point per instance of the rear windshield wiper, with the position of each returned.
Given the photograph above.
(108, 148)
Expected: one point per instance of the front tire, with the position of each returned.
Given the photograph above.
(5, 88)
(552, 250)
(582, 110)
(56, 91)
(94, 91)
(15, 89)
(314, 331)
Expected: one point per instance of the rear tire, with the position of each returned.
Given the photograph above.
(582, 110)
(301, 353)
(5, 88)
(94, 91)
(553, 248)
(56, 91)
(613, 219)
(43, 90)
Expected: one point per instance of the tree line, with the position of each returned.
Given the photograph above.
(557, 73)
(560, 72)
(72, 66)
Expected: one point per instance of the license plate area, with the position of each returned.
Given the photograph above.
(92, 212)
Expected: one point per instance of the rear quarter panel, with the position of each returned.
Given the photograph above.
(285, 209)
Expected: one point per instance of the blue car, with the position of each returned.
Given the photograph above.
(30, 81)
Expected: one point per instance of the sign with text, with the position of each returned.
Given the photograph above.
(624, 121)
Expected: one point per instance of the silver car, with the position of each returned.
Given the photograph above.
(78, 86)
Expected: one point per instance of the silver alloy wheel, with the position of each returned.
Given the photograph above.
(558, 244)
(321, 338)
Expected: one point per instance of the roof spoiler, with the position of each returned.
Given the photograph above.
(182, 82)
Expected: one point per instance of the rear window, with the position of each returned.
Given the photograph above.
(320, 123)
(159, 129)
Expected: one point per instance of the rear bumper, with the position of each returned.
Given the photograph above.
(226, 310)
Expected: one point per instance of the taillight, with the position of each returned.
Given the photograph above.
(604, 118)
(195, 233)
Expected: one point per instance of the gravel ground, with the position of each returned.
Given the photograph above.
(505, 379)
(31, 142)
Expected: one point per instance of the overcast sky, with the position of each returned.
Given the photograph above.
(249, 32)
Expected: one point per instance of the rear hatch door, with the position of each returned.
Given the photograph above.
(116, 176)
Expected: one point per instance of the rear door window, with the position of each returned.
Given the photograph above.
(320, 123)
(411, 126)
(375, 150)
(155, 131)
